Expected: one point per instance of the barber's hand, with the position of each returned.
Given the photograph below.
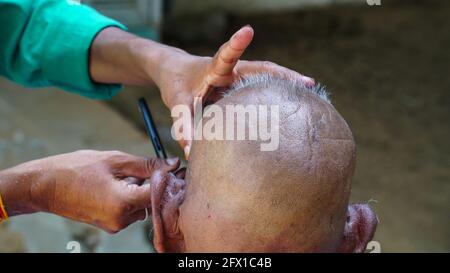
(100, 188)
(182, 76)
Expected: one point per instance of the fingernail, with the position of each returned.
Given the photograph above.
(239, 32)
(187, 150)
(172, 161)
(309, 82)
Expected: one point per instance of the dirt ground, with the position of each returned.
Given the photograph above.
(387, 69)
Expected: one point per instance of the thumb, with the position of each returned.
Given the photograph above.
(228, 55)
(150, 195)
(142, 167)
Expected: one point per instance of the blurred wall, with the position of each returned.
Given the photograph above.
(249, 6)
(143, 17)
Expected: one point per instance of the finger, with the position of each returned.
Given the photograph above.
(140, 197)
(186, 146)
(187, 150)
(185, 135)
(142, 167)
(185, 143)
(230, 52)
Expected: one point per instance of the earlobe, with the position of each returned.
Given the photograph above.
(359, 229)
(167, 196)
(158, 184)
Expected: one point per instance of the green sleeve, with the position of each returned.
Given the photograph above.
(46, 43)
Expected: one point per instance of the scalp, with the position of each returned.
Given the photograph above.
(291, 199)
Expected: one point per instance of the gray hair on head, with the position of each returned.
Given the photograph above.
(293, 86)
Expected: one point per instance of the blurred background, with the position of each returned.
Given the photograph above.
(385, 63)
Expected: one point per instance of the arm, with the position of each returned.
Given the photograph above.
(46, 43)
(104, 189)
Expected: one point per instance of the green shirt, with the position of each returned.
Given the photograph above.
(46, 43)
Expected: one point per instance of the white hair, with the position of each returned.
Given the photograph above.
(293, 86)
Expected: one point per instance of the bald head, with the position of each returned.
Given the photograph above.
(290, 199)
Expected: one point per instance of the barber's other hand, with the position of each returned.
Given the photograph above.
(181, 77)
(100, 188)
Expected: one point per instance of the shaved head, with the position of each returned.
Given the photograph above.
(292, 199)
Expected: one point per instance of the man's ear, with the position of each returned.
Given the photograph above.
(359, 228)
(168, 192)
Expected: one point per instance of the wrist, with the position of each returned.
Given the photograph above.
(16, 189)
(174, 71)
(152, 58)
(115, 58)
